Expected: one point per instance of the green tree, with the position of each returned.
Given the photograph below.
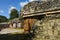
(3, 19)
(14, 14)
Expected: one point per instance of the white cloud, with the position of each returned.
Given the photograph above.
(11, 7)
(1, 11)
(23, 3)
(32, 0)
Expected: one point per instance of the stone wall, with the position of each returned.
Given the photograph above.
(2, 26)
(48, 28)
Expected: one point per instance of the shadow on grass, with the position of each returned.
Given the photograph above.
(16, 37)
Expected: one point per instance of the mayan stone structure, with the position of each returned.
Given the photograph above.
(46, 17)
(48, 28)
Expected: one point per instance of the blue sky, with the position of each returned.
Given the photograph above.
(7, 5)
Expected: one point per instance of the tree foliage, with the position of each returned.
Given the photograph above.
(14, 14)
(3, 19)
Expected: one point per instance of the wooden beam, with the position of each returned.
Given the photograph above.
(39, 13)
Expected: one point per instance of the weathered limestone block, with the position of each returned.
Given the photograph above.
(44, 26)
(50, 32)
(55, 32)
(58, 27)
(59, 33)
(45, 32)
(52, 37)
(38, 23)
(47, 37)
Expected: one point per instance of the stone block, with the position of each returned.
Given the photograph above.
(45, 32)
(52, 37)
(55, 32)
(50, 32)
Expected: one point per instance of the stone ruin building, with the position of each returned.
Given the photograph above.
(45, 16)
(15, 23)
(41, 17)
(4, 25)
